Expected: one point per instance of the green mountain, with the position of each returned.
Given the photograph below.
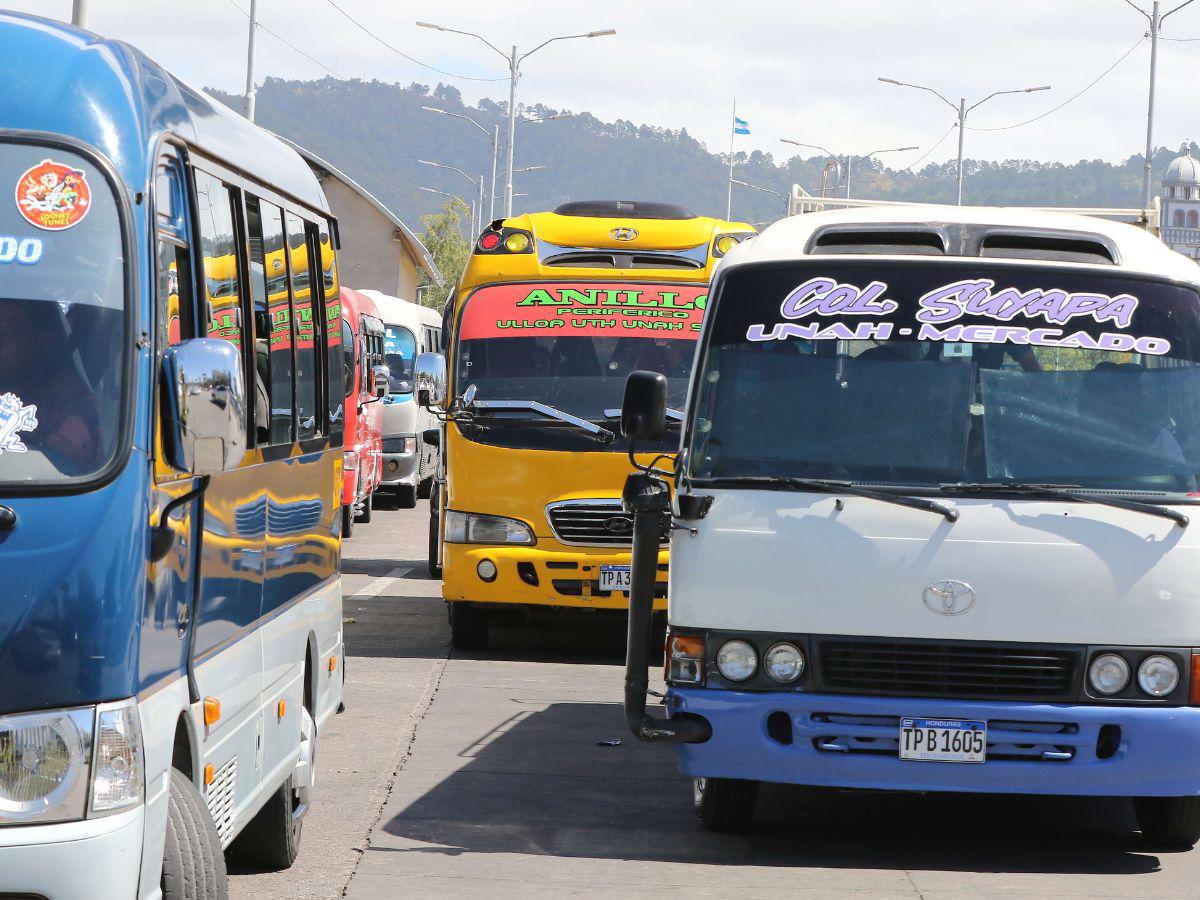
(377, 132)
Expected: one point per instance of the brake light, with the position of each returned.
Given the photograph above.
(1195, 689)
(490, 240)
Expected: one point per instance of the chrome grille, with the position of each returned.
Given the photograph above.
(595, 523)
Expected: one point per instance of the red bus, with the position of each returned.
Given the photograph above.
(362, 467)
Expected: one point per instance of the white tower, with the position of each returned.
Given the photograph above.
(1180, 221)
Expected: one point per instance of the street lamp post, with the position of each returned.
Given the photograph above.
(849, 160)
(961, 110)
(514, 61)
(468, 206)
(755, 187)
(476, 226)
(1155, 18)
(250, 91)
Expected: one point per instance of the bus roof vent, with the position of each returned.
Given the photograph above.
(1081, 248)
(882, 241)
(624, 209)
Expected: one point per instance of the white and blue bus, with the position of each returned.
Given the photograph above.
(936, 512)
(171, 413)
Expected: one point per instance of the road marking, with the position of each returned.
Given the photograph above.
(381, 584)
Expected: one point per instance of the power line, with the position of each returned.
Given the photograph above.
(1073, 97)
(284, 40)
(361, 27)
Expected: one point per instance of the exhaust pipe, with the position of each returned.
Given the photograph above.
(648, 498)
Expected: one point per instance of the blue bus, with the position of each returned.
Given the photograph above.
(171, 406)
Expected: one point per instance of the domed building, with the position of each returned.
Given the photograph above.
(1180, 222)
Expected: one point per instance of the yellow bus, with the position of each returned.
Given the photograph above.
(553, 311)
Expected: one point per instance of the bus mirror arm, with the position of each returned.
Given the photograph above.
(648, 498)
(162, 538)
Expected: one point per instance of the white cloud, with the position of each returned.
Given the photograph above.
(799, 68)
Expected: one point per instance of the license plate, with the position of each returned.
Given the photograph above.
(615, 578)
(943, 740)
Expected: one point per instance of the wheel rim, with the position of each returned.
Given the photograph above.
(699, 786)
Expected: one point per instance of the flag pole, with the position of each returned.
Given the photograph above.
(732, 135)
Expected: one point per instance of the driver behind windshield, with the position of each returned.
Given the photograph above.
(34, 368)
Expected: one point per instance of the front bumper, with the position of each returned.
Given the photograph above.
(91, 858)
(401, 469)
(565, 577)
(849, 742)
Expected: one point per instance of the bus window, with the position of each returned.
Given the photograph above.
(214, 209)
(335, 389)
(302, 331)
(272, 348)
(319, 329)
(173, 309)
(347, 358)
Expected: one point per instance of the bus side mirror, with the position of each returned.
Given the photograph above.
(429, 375)
(204, 408)
(644, 408)
(381, 377)
(432, 437)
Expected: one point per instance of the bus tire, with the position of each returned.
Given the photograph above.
(406, 497)
(468, 627)
(1168, 821)
(435, 569)
(724, 804)
(193, 865)
(367, 506)
(424, 488)
(347, 521)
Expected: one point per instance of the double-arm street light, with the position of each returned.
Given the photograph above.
(755, 187)
(476, 226)
(468, 206)
(514, 61)
(849, 160)
(962, 110)
(493, 137)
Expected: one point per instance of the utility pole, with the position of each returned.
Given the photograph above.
(732, 135)
(250, 60)
(1155, 17)
(80, 12)
(848, 160)
(514, 60)
(492, 191)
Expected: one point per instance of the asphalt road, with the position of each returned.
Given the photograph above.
(453, 775)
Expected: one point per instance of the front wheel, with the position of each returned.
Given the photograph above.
(435, 567)
(347, 521)
(1171, 821)
(424, 488)
(368, 505)
(406, 497)
(193, 865)
(724, 804)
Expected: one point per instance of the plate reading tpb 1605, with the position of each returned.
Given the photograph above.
(615, 578)
(943, 740)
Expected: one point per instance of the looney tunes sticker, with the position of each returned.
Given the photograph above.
(53, 196)
(15, 417)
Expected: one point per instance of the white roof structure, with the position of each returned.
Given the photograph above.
(395, 311)
(1183, 169)
(1136, 250)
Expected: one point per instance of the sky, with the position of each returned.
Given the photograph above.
(800, 69)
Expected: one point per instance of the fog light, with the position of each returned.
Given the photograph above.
(1158, 675)
(392, 466)
(784, 663)
(725, 243)
(1109, 673)
(737, 660)
(486, 570)
(516, 243)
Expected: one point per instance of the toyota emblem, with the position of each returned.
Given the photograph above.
(949, 598)
(624, 233)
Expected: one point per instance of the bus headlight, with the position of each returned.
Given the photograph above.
(1158, 675)
(43, 764)
(472, 528)
(1109, 673)
(117, 779)
(784, 663)
(736, 660)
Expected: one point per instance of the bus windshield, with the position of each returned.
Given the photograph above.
(62, 297)
(570, 346)
(399, 351)
(951, 376)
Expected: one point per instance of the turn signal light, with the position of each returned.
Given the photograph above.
(332, 664)
(685, 658)
(1195, 697)
(516, 242)
(280, 709)
(209, 777)
(212, 710)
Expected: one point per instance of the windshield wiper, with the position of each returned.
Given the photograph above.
(829, 486)
(603, 435)
(672, 414)
(1067, 492)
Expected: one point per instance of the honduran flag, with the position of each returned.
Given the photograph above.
(740, 126)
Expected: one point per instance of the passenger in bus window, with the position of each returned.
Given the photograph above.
(34, 369)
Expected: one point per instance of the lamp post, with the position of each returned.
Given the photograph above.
(478, 183)
(468, 206)
(1155, 18)
(249, 103)
(514, 61)
(849, 160)
(755, 187)
(961, 110)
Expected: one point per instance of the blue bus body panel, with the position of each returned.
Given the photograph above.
(73, 569)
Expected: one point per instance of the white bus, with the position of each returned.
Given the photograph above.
(409, 461)
(932, 508)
